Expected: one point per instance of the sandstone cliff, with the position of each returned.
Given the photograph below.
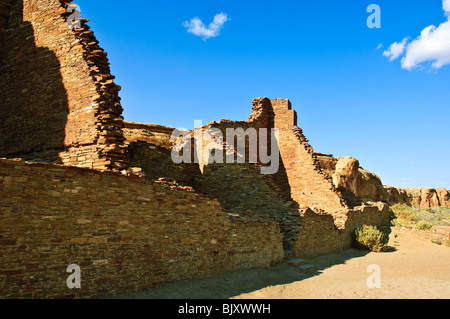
(359, 185)
(424, 197)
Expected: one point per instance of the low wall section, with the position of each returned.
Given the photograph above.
(124, 232)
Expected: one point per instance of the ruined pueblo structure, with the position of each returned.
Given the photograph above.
(80, 185)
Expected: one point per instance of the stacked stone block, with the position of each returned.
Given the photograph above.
(131, 235)
(58, 100)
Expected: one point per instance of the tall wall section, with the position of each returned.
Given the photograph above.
(299, 182)
(58, 100)
(308, 185)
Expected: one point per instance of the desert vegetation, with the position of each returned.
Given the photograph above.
(421, 219)
(370, 238)
(405, 216)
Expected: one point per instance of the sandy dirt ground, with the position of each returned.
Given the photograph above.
(412, 268)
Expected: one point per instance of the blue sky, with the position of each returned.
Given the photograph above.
(350, 99)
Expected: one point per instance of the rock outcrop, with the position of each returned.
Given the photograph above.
(346, 174)
(419, 197)
(359, 185)
(395, 195)
(444, 196)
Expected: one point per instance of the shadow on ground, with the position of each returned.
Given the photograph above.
(233, 284)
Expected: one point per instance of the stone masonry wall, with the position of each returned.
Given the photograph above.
(156, 162)
(149, 147)
(58, 100)
(241, 188)
(130, 234)
(299, 177)
(150, 133)
(299, 182)
(308, 186)
(240, 185)
(318, 234)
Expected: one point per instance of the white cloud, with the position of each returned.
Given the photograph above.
(433, 45)
(198, 28)
(379, 47)
(446, 7)
(395, 50)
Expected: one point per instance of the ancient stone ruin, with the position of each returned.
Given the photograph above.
(79, 185)
(59, 100)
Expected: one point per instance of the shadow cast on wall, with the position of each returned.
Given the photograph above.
(33, 100)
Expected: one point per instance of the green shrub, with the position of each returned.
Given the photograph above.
(423, 225)
(402, 211)
(370, 238)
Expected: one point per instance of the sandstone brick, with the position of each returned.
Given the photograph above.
(138, 234)
(45, 70)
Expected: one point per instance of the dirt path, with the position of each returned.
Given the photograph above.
(416, 268)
